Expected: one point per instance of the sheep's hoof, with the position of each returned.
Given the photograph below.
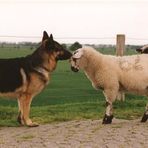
(144, 118)
(107, 119)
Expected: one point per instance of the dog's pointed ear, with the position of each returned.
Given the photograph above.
(45, 36)
(49, 43)
(51, 37)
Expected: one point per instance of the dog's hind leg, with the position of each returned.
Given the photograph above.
(25, 101)
(20, 114)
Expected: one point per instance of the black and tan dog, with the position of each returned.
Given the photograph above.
(25, 77)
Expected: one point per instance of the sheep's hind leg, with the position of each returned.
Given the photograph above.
(145, 116)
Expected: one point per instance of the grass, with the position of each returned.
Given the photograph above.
(69, 96)
(26, 138)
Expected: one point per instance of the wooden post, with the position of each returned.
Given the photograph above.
(120, 48)
(120, 44)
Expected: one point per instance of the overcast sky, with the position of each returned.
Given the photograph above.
(82, 19)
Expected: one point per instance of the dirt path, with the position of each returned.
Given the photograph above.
(77, 134)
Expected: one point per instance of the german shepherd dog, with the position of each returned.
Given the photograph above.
(25, 77)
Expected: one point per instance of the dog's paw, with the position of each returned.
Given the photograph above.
(34, 124)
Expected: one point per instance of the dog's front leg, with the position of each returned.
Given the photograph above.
(25, 101)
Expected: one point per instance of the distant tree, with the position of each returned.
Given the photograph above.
(18, 46)
(31, 47)
(75, 46)
(2, 45)
(64, 46)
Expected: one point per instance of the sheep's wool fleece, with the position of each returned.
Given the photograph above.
(129, 73)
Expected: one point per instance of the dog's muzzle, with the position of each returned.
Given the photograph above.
(65, 56)
(74, 69)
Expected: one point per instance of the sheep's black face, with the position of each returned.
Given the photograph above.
(139, 50)
(75, 60)
(143, 49)
(74, 65)
(74, 69)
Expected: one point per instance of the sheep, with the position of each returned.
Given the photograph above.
(113, 74)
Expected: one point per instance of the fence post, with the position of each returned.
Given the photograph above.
(120, 48)
(120, 44)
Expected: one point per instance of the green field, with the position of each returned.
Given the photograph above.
(69, 96)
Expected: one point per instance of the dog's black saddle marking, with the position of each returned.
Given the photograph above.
(10, 75)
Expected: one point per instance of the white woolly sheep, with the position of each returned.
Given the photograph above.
(113, 75)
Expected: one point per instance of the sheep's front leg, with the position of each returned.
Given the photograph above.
(110, 96)
(108, 114)
(145, 116)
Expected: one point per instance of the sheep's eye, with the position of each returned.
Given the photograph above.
(74, 59)
(75, 52)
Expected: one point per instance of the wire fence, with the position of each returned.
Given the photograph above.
(132, 40)
(70, 37)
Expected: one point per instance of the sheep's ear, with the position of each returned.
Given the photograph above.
(77, 54)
